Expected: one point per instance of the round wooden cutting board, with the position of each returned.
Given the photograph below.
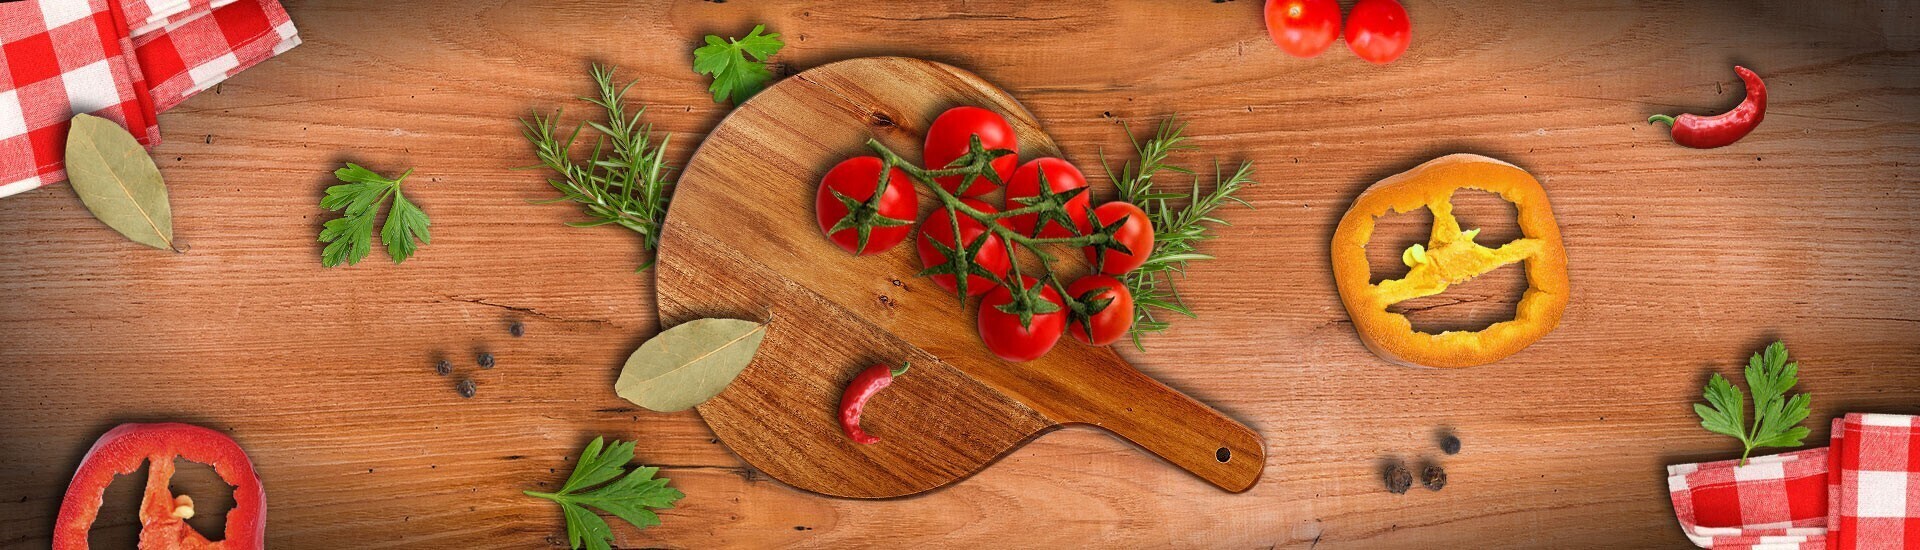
(741, 242)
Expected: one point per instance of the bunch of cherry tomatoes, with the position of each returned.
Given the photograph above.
(866, 205)
(1377, 30)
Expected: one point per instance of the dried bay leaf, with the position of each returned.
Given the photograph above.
(688, 364)
(118, 181)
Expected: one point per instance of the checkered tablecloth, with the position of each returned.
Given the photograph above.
(1876, 485)
(1773, 502)
(1862, 492)
(123, 60)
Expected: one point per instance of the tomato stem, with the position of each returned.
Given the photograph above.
(983, 168)
(1025, 298)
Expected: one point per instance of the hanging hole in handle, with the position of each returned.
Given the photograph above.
(1223, 454)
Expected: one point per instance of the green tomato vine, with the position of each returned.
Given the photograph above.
(1047, 206)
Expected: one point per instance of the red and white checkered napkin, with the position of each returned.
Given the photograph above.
(1875, 488)
(194, 52)
(147, 16)
(1861, 492)
(1774, 502)
(123, 60)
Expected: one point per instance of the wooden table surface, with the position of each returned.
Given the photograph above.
(1682, 263)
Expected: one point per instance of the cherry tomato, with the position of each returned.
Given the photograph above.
(1136, 233)
(1061, 176)
(1378, 30)
(856, 178)
(939, 228)
(1004, 335)
(1303, 28)
(1109, 324)
(951, 135)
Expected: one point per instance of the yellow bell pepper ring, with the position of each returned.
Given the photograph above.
(1450, 257)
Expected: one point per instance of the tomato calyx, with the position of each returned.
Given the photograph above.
(961, 261)
(864, 215)
(1082, 308)
(1049, 205)
(976, 164)
(1026, 301)
(1105, 238)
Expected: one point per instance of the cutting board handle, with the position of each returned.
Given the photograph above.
(1167, 423)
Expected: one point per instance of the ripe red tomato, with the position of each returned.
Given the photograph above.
(856, 178)
(1378, 30)
(1303, 28)
(950, 137)
(938, 227)
(1136, 233)
(1109, 324)
(1061, 176)
(1004, 335)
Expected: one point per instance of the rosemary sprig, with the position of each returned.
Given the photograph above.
(624, 181)
(1180, 223)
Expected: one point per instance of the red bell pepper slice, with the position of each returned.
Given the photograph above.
(163, 516)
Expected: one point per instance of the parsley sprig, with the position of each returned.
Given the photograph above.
(1181, 221)
(629, 498)
(350, 237)
(1775, 416)
(624, 180)
(735, 77)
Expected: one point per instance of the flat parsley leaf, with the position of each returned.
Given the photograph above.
(734, 76)
(350, 236)
(1775, 416)
(632, 497)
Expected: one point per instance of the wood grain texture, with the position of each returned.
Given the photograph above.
(1682, 262)
(742, 240)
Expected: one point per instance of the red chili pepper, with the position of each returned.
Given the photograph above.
(163, 516)
(1707, 132)
(862, 388)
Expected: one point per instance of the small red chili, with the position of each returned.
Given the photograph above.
(862, 388)
(1707, 132)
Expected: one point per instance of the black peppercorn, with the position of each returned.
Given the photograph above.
(444, 368)
(1398, 479)
(486, 360)
(516, 329)
(1433, 477)
(465, 387)
(1449, 444)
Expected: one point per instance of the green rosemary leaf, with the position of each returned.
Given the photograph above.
(1177, 258)
(623, 181)
(1180, 222)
